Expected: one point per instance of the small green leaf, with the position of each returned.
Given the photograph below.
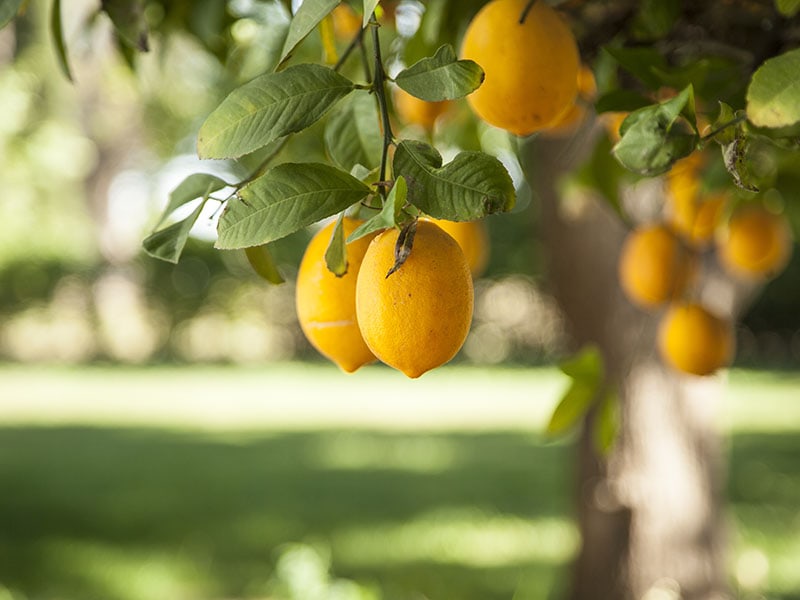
(656, 18)
(167, 244)
(308, 16)
(788, 8)
(389, 215)
(441, 77)
(270, 107)
(57, 31)
(369, 8)
(336, 253)
(585, 367)
(260, 258)
(773, 97)
(603, 174)
(197, 185)
(606, 422)
(128, 19)
(353, 133)
(653, 138)
(9, 10)
(724, 125)
(734, 156)
(285, 199)
(572, 407)
(469, 187)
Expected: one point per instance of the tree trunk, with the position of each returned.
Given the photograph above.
(649, 514)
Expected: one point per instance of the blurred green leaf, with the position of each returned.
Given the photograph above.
(57, 31)
(128, 19)
(586, 366)
(639, 62)
(620, 101)
(603, 174)
(724, 126)
(788, 8)
(469, 187)
(269, 107)
(10, 8)
(336, 252)
(653, 138)
(353, 133)
(260, 258)
(196, 185)
(369, 8)
(572, 407)
(167, 244)
(389, 215)
(441, 77)
(606, 422)
(285, 199)
(773, 97)
(308, 16)
(655, 18)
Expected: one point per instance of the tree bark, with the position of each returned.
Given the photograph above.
(649, 513)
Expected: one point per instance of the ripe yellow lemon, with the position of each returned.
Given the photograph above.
(587, 90)
(417, 318)
(757, 243)
(693, 340)
(654, 266)
(326, 304)
(473, 238)
(531, 68)
(415, 111)
(691, 213)
(346, 22)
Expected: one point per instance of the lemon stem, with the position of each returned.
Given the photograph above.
(379, 85)
(525, 11)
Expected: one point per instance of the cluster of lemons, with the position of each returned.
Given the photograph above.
(414, 319)
(659, 265)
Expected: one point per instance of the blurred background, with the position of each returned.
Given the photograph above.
(167, 432)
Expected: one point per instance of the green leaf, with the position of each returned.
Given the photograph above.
(353, 133)
(586, 366)
(389, 215)
(285, 199)
(369, 8)
(9, 10)
(260, 258)
(641, 62)
(336, 253)
(308, 16)
(57, 31)
(620, 101)
(603, 174)
(606, 422)
(656, 18)
(724, 126)
(197, 185)
(469, 187)
(788, 8)
(572, 407)
(773, 97)
(270, 107)
(167, 244)
(441, 77)
(734, 156)
(653, 138)
(128, 19)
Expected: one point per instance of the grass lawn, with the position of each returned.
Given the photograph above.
(127, 484)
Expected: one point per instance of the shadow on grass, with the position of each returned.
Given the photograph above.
(216, 508)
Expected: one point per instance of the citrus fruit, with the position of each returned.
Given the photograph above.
(693, 340)
(757, 243)
(417, 318)
(654, 266)
(346, 22)
(326, 304)
(473, 238)
(531, 68)
(587, 90)
(415, 111)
